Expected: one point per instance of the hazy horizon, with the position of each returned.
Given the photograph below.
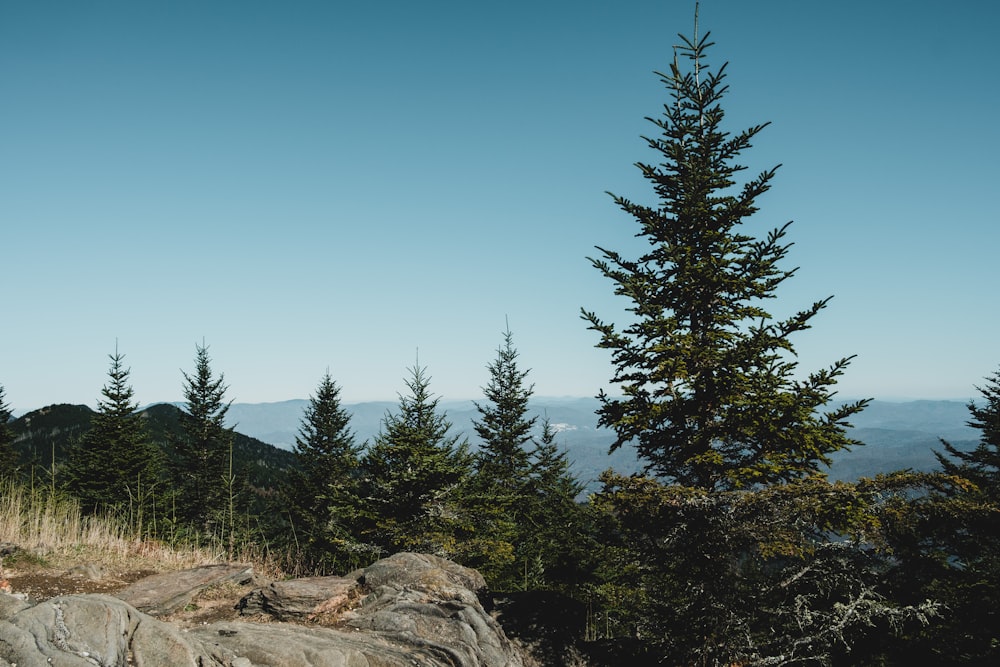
(445, 401)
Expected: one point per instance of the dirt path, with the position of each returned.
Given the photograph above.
(41, 583)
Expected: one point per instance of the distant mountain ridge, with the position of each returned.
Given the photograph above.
(45, 435)
(573, 419)
(898, 435)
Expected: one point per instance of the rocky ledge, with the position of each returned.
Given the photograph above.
(408, 609)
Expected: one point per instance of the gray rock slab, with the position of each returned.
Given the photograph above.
(88, 630)
(432, 605)
(298, 599)
(405, 569)
(408, 609)
(11, 604)
(166, 593)
(289, 645)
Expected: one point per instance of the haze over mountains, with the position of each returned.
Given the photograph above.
(897, 435)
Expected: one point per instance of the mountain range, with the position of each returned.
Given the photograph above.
(43, 436)
(573, 419)
(897, 436)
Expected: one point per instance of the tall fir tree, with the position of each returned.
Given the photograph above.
(504, 427)
(413, 476)
(498, 492)
(115, 465)
(203, 448)
(322, 492)
(738, 551)
(8, 455)
(707, 374)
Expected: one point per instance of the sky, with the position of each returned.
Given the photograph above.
(361, 187)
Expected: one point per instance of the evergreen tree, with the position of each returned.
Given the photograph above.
(498, 491)
(752, 577)
(749, 556)
(982, 464)
(941, 535)
(504, 427)
(550, 467)
(707, 373)
(115, 464)
(203, 450)
(322, 492)
(8, 457)
(413, 475)
(948, 543)
(554, 540)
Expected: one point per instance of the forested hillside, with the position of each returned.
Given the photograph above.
(46, 435)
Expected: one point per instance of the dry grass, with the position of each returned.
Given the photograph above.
(53, 531)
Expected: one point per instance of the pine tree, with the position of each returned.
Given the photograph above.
(553, 534)
(738, 551)
(982, 464)
(707, 373)
(8, 456)
(413, 475)
(505, 428)
(550, 467)
(115, 464)
(322, 493)
(951, 550)
(498, 493)
(204, 447)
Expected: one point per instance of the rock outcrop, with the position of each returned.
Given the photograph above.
(165, 593)
(88, 630)
(408, 609)
(300, 599)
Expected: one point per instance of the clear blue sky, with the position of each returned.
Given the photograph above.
(307, 185)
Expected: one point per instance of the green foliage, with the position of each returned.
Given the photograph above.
(498, 490)
(413, 476)
(264, 466)
(114, 465)
(8, 457)
(522, 497)
(750, 577)
(981, 465)
(933, 527)
(322, 491)
(44, 437)
(750, 556)
(202, 450)
(707, 373)
(946, 541)
(556, 543)
(504, 427)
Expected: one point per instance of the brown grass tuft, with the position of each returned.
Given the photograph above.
(52, 531)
